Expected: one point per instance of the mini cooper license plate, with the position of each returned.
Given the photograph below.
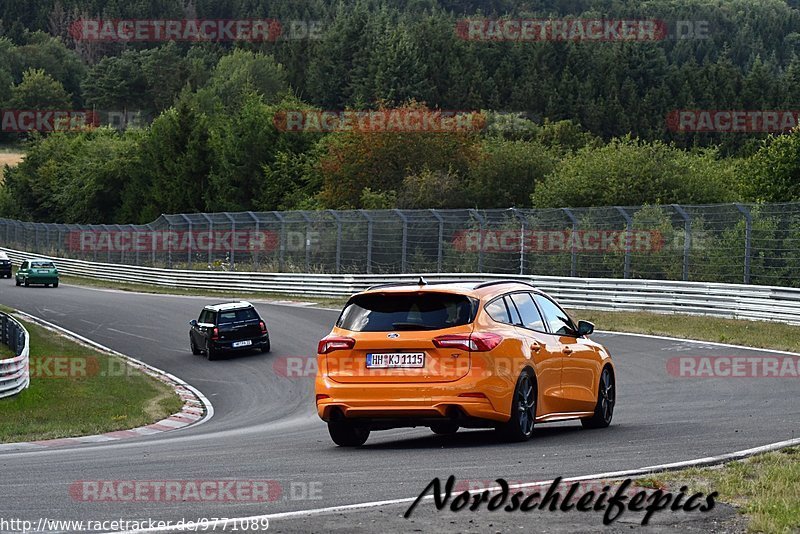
(238, 344)
(400, 360)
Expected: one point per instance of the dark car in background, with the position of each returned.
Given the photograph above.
(226, 328)
(5, 265)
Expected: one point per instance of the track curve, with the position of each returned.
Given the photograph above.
(265, 426)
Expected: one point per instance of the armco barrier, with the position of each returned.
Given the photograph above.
(696, 298)
(14, 374)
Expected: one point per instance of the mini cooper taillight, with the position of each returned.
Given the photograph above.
(215, 333)
(263, 327)
(475, 342)
(331, 343)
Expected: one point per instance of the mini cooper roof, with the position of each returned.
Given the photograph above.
(229, 306)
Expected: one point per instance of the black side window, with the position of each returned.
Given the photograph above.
(528, 311)
(497, 311)
(556, 318)
(24, 265)
(512, 309)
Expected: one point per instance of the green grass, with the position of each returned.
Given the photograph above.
(144, 288)
(766, 488)
(91, 403)
(6, 352)
(760, 334)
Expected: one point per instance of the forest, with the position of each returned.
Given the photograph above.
(563, 122)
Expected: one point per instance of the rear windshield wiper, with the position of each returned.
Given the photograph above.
(413, 326)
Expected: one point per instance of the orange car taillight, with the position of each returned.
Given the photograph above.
(475, 342)
(332, 343)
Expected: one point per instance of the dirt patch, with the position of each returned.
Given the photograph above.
(10, 158)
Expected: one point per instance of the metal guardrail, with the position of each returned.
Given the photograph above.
(734, 301)
(14, 372)
(723, 243)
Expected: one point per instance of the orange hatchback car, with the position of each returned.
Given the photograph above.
(498, 354)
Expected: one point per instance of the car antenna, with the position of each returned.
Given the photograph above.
(422, 281)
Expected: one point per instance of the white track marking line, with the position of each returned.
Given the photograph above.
(206, 403)
(698, 341)
(700, 462)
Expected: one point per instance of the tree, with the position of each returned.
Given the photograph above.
(39, 90)
(628, 172)
(773, 173)
(243, 72)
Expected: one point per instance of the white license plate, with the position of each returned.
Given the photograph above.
(43, 271)
(396, 360)
(237, 344)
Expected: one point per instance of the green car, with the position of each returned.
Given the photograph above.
(37, 272)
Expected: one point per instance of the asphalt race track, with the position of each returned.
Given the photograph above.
(265, 425)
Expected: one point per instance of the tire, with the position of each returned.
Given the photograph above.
(55, 284)
(445, 429)
(195, 350)
(606, 398)
(17, 282)
(523, 410)
(211, 353)
(27, 283)
(347, 434)
(266, 348)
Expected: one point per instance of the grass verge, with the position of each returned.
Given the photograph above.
(76, 391)
(761, 334)
(143, 288)
(766, 488)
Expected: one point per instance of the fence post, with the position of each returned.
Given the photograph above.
(521, 219)
(338, 239)
(687, 239)
(573, 267)
(440, 245)
(254, 250)
(628, 239)
(189, 259)
(368, 217)
(482, 222)
(307, 239)
(282, 239)
(210, 231)
(748, 235)
(233, 240)
(403, 253)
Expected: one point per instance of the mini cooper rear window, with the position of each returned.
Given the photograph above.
(387, 312)
(237, 316)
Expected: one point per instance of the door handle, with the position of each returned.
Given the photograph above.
(535, 346)
(566, 350)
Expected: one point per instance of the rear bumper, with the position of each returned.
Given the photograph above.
(5, 270)
(227, 346)
(392, 405)
(42, 279)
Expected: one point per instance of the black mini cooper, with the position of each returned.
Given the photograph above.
(235, 326)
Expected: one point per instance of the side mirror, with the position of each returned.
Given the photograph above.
(585, 328)
(193, 322)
